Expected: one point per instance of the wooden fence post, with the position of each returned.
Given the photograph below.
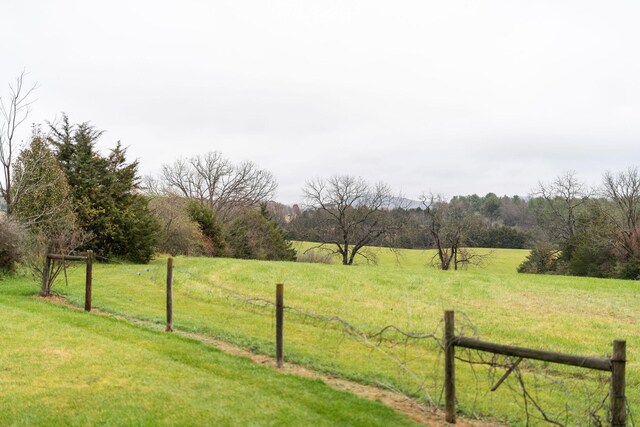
(88, 282)
(44, 289)
(169, 295)
(279, 323)
(449, 367)
(618, 398)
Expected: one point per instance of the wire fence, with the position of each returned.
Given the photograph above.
(395, 357)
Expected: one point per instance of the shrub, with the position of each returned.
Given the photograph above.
(11, 237)
(628, 269)
(316, 256)
(543, 258)
(212, 236)
(179, 235)
(255, 236)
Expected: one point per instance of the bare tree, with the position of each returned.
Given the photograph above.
(215, 181)
(623, 189)
(449, 224)
(64, 240)
(14, 109)
(153, 186)
(564, 197)
(351, 214)
(179, 234)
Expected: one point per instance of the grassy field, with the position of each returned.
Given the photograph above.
(566, 314)
(495, 261)
(59, 366)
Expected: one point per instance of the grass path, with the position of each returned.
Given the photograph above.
(401, 403)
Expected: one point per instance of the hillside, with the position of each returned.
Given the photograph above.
(231, 300)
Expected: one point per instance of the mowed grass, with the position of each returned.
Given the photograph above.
(566, 314)
(60, 366)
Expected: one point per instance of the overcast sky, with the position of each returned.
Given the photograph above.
(456, 97)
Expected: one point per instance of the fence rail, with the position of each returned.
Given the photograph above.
(615, 365)
(62, 257)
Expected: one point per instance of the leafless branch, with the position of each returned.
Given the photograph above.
(14, 110)
(215, 181)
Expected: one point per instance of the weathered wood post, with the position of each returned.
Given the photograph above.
(449, 367)
(88, 282)
(44, 288)
(618, 398)
(279, 323)
(169, 295)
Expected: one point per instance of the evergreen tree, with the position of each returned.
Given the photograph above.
(105, 194)
(254, 235)
(209, 226)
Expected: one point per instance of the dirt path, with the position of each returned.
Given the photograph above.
(399, 402)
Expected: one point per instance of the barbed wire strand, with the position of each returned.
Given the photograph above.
(394, 336)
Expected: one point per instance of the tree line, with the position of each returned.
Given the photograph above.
(589, 231)
(66, 196)
(570, 228)
(61, 194)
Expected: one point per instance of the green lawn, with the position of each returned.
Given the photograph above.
(60, 366)
(566, 314)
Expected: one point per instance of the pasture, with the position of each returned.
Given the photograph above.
(60, 366)
(229, 299)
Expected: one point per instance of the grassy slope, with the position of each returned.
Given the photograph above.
(63, 367)
(567, 314)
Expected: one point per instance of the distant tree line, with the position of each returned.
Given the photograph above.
(61, 194)
(589, 231)
(483, 221)
(570, 228)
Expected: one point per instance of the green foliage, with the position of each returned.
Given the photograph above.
(543, 258)
(628, 269)
(254, 235)
(491, 206)
(104, 190)
(251, 235)
(42, 202)
(499, 222)
(41, 193)
(137, 231)
(592, 247)
(212, 234)
(498, 237)
(594, 250)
